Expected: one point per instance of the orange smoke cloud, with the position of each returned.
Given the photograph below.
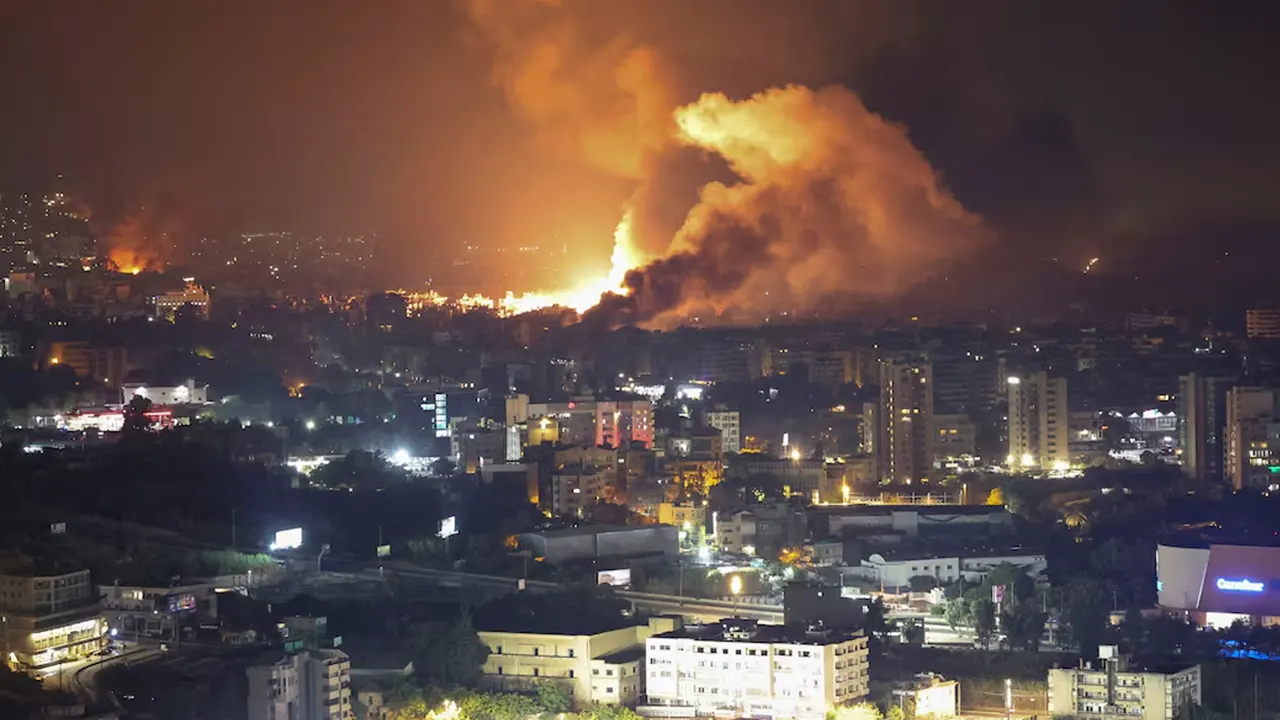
(609, 106)
(137, 243)
(834, 203)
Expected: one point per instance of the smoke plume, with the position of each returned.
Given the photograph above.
(833, 202)
(825, 200)
(140, 241)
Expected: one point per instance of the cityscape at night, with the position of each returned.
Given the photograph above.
(661, 360)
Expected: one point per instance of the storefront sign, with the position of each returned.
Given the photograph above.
(1241, 585)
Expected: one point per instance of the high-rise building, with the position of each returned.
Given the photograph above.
(1251, 419)
(1039, 422)
(728, 422)
(905, 416)
(310, 685)
(1202, 417)
(754, 670)
(1262, 323)
(617, 423)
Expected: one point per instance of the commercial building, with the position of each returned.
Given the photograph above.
(314, 684)
(1217, 581)
(1262, 323)
(49, 619)
(753, 670)
(605, 668)
(1251, 433)
(138, 611)
(166, 305)
(1039, 423)
(1202, 417)
(905, 416)
(188, 393)
(729, 423)
(603, 541)
(892, 569)
(1112, 688)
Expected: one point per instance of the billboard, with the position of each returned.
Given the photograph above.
(384, 551)
(616, 578)
(181, 602)
(287, 539)
(448, 527)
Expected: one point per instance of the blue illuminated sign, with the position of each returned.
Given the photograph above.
(1241, 585)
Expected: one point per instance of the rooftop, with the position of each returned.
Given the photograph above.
(583, 530)
(739, 630)
(872, 510)
(625, 655)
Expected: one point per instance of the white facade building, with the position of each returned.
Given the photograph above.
(1110, 689)
(1039, 423)
(895, 570)
(315, 685)
(729, 423)
(168, 304)
(188, 393)
(752, 670)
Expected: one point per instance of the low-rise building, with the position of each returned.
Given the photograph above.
(605, 668)
(752, 670)
(593, 542)
(188, 393)
(138, 611)
(1112, 688)
(49, 618)
(895, 568)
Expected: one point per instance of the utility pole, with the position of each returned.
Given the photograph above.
(233, 528)
(680, 572)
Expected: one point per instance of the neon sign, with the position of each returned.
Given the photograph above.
(1241, 585)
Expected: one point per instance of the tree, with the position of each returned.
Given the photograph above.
(443, 467)
(609, 712)
(984, 620)
(895, 713)
(136, 421)
(995, 497)
(553, 698)
(359, 470)
(861, 711)
(1085, 610)
(958, 613)
(449, 654)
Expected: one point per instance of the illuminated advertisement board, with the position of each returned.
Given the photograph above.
(180, 602)
(1232, 579)
(616, 578)
(287, 539)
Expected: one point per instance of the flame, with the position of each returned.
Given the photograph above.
(126, 260)
(580, 298)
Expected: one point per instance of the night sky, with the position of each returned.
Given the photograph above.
(1141, 132)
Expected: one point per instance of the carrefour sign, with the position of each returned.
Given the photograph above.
(1241, 585)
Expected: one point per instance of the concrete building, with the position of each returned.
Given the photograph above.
(1039, 422)
(10, 343)
(905, 416)
(762, 530)
(310, 685)
(49, 619)
(910, 521)
(103, 363)
(1111, 688)
(729, 423)
(690, 518)
(575, 489)
(166, 305)
(138, 611)
(188, 393)
(747, 669)
(606, 668)
(893, 569)
(1262, 323)
(1251, 421)
(603, 541)
(586, 421)
(953, 440)
(1202, 418)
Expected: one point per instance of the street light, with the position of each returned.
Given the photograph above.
(735, 589)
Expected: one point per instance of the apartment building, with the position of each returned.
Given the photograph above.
(905, 416)
(1110, 688)
(315, 685)
(752, 670)
(1039, 423)
(49, 619)
(605, 668)
(729, 423)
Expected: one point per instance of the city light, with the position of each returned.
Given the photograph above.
(735, 585)
(400, 457)
(311, 424)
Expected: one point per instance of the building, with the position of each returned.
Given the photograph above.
(689, 517)
(1111, 688)
(107, 364)
(1262, 323)
(1039, 423)
(575, 489)
(603, 541)
(586, 421)
(762, 530)
(49, 619)
(728, 422)
(893, 569)
(10, 343)
(953, 440)
(137, 611)
(166, 305)
(907, 522)
(188, 393)
(905, 416)
(1202, 417)
(604, 668)
(314, 684)
(747, 669)
(1250, 420)
(1217, 581)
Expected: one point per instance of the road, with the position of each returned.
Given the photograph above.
(82, 678)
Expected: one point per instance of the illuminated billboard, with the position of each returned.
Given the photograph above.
(181, 602)
(616, 578)
(448, 527)
(287, 539)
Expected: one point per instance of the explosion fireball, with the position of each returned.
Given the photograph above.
(832, 202)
